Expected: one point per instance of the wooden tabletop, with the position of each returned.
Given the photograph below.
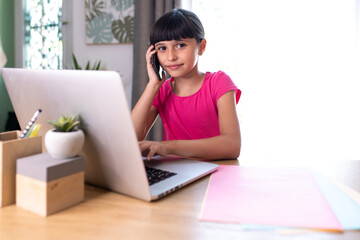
(108, 215)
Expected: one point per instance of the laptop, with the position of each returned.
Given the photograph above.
(111, 153)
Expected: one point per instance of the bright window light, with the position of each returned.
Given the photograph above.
(297, 64)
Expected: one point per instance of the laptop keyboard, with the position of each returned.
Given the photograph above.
(156, 175)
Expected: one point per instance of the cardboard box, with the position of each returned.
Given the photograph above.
(12, 148)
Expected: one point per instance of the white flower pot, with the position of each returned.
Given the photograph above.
(64, 144)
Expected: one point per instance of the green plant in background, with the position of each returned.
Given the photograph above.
(65, 123)
(88, 65)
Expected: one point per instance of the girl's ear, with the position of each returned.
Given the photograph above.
(202, 46)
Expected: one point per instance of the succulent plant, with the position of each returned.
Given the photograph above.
(65, 123)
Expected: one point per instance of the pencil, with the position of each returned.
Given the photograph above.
(29, 125)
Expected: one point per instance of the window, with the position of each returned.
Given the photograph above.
(43, 38)
(296, 63)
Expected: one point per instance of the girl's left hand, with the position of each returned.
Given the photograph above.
(151, 148)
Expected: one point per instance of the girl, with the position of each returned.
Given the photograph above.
(198, 110)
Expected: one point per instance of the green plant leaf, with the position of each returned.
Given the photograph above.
(97, 66)
(65, 123)
(87, 66)
(76, 65)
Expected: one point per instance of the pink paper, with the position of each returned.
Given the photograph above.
(271, 196)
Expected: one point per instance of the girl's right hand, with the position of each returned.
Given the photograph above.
(151, 148)
(151, 73)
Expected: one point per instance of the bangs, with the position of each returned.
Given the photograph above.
(174, 27)
(168, 32)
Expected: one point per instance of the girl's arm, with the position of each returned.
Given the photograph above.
(225, 146)
(144, 114)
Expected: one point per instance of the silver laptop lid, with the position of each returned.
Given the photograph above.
(112, 155)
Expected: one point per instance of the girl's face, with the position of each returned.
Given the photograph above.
(179, 57)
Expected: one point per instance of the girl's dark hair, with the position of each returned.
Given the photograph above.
(175, 25)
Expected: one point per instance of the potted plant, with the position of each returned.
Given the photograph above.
(66, 139)
(87, 67)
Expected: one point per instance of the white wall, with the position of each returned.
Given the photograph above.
(117, 57)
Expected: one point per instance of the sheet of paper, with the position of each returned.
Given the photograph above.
(287, 197)
(349, 191)
(345, 208)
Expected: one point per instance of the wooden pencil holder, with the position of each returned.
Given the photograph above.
(45, 185)
(12, 148)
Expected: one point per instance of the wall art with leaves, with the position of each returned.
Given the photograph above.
(109, 21)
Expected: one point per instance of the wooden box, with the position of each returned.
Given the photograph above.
(12, 148)
(45, 185)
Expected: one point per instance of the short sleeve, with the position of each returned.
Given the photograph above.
(162, 95)
(156, 101)
(221, 84)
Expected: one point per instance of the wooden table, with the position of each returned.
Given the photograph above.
(108, 215)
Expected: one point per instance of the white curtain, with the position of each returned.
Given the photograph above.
(297, 64)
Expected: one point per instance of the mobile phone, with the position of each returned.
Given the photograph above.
(156, 65)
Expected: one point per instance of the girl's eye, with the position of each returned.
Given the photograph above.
(181, 45)
(161, 48)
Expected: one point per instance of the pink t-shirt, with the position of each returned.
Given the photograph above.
(194, 116)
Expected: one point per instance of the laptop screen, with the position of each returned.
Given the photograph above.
(112, 155)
